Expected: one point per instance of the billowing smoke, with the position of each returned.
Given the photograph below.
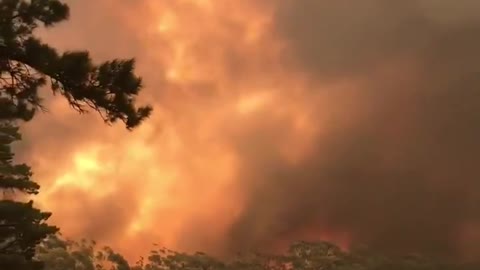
(279, 120)
(396, 164)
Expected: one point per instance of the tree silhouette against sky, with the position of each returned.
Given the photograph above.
(27, 66)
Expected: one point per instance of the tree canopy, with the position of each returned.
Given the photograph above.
(59, 254)
(27, 64)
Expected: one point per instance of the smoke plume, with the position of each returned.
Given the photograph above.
(350, 121)
(395, 164)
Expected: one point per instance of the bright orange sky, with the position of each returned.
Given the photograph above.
(241, 89)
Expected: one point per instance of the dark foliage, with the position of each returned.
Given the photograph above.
(22, 226)
(65, 255)
(27, 64)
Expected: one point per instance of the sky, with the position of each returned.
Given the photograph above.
(274, 121)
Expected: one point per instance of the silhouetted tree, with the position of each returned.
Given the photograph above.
(22, 227)
(27, 64)
(67, 255)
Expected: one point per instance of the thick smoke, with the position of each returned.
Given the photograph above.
(395, 165)
(358, 123)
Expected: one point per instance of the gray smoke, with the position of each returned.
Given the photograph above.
(398, 166)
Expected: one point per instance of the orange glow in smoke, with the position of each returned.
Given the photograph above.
(211, 68)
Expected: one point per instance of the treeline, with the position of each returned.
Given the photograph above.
(28, 65)
(60, 254)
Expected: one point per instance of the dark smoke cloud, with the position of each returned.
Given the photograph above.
(396, 167)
